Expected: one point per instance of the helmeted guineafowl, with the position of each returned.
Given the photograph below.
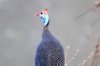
(49, 52)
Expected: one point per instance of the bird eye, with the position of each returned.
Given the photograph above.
(41, 13)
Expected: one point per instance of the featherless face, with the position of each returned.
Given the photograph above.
(44, 16)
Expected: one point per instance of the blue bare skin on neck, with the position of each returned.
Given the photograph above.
(44, 19)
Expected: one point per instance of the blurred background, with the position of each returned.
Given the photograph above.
(20, 30)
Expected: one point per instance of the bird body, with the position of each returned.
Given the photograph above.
(49, 52)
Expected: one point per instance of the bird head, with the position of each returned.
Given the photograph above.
(43, 16)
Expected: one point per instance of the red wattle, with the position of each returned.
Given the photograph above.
(38, 13)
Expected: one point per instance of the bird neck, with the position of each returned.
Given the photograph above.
(45, 28)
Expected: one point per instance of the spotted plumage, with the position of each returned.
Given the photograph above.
(49, 52)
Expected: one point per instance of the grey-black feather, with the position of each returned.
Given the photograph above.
(49, 52)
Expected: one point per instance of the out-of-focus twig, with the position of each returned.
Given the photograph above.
(82, 14)
(96, 54)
